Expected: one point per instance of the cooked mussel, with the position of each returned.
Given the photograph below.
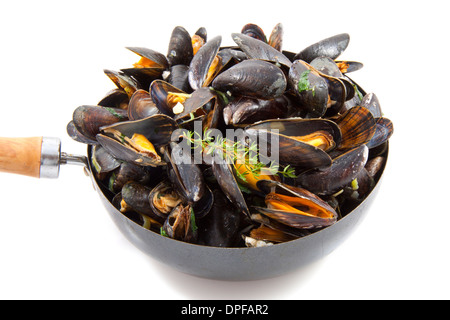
(295, 207)
(252, 78)
(138, 141)
(343, 170)
(330, 47)
(181, 224)
(89, 119)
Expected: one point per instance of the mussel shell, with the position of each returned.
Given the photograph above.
(180, 47)
(103, 161)
(331, 47)
(349, 66)
(200, 98)
(141, 106)
(136, 196)
(247, 110)
(384, 130)
(254, 31)
(156, 57)
(226, 179)
(327, 66)
(156, 193)
(184, 174)
(342, 171)
(130, 172)
(256, 49)
(143, 76)
(179, 77)
(298, 127)
(291, 151)
(358, 126)
(276, 37)
(252, 78)
(89, 119)
(222, 225)
(371, 102)
(313, 99)
(180, 223)
(157, 129)
(295, 219)
(202, 61)
(116, 98)
(77, 135)
(159, 91)
(122, 81)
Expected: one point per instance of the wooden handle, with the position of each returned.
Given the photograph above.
(21, 156)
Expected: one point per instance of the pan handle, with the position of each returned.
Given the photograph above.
(38, 157)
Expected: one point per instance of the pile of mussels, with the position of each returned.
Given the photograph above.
(331, 138)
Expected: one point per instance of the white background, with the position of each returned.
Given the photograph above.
(57, 241)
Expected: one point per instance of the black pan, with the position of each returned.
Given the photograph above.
(202, 261)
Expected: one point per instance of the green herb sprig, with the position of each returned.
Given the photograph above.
(237, 154)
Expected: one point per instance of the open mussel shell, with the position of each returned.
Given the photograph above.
(358, 127)
(157, 129)
(123, 81)
(276, 37)
(247, 110)
(342, 171)
(289, 139)
(267, 81)
(201, 63)
(181, 225)
(384, 130)
(330, 47)
(161, 92)
(137, 196)
(150, 58)
(116, 98)
(141, 106)
(295, 207)
(256, 49)
(89, 119)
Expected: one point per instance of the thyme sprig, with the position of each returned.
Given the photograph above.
(238, 154)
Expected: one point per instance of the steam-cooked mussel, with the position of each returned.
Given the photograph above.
(310, 88)
(252, 78)
(343, 170)
(138, 141)
(141, 105)
(330, 47)
(221, 227)
(357, 126)
(163, 199)
(89, 119)
(256, 49)
(295, 207)
(168, 98)
(299, 142)
(244, 110)
(122, 81)
(206, 64)
(181, 224)
(137, 197)
(180, 49)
